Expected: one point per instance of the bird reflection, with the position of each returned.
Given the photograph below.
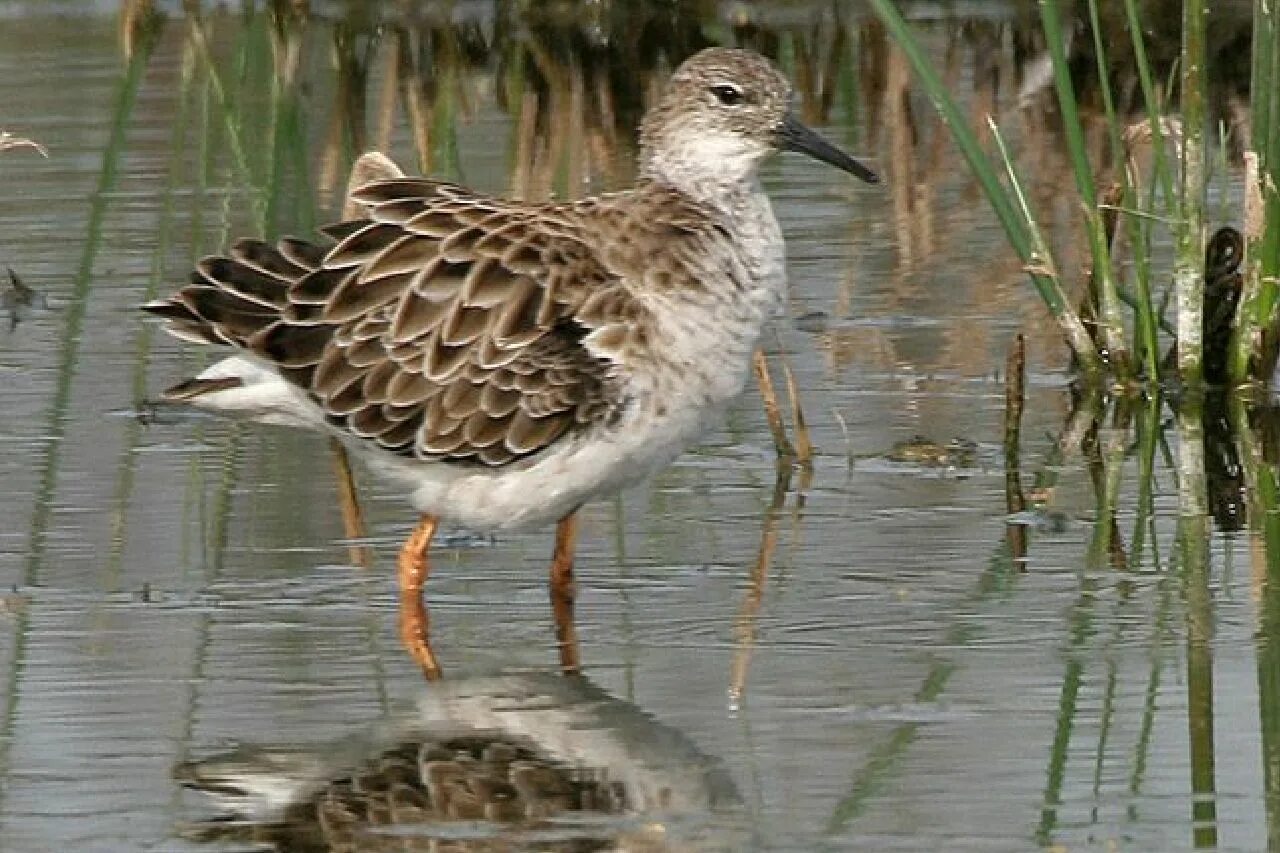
(516, 762)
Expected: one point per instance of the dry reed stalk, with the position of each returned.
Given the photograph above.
(1015, 379)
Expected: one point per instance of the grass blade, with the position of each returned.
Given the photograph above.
(1189, 233)
(1018, 226)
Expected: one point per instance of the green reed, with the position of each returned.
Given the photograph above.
(1253, 351)
(1136, 230)
(1189, 225)
(1008, 202)
(1125, 201)
(1110, 322)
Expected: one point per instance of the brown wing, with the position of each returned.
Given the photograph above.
(444, 325)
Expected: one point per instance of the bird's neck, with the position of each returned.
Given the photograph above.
(715, 170)
(754, 237)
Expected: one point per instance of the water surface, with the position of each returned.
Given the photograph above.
(178, 586)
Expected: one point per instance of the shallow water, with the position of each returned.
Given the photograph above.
(177, 586)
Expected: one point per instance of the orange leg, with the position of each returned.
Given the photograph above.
(563, 593)
(413, 567)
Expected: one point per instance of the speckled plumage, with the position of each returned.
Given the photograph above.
(507, 361)
(505, 758)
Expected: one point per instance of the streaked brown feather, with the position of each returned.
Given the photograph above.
(403, 434)
(377, 379)
(301, 253)
(484, 429)
(463, 325)
(409, 389)
(354, 298)
(317, 286)
(399, 211)
(415, 316)
(406, 254)
(369, 422)
(365, 353)
(441, 279)
(339, 231)
(442, 362)
(444, 324)
(416, 189)
(333, 373)
(461, 399)
(246, 281)
(266, 258)
(396, 414)
(348, 400)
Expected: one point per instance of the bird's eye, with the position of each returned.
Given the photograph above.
(728, 95)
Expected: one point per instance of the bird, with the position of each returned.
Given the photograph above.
(504, 362)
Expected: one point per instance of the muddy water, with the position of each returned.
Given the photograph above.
(175, 587)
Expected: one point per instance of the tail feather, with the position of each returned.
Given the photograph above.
(270, 302)
(190, 389)
(197, 333)
(266, 300)
(233, 316)
(244, 299)
(246, 281)
(339, 231)
(172, 309)
(315, 287)
(291, 346)
(300, 253)
(267, 259)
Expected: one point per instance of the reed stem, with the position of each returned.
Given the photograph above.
(1149, 97)
(1146, 321)
(1189, 235)
(1262, 203)
(1110, 321)
(1019, 228)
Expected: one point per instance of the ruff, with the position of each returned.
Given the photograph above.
(502, 361)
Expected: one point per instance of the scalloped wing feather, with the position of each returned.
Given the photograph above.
(446, 325)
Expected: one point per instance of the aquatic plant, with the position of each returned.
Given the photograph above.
(1122, 201)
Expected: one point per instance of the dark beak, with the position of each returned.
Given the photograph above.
(794, 136)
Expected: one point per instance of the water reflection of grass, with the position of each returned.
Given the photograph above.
(68, 359)
(1183, 582)
(1182, 202)
(1258, 450)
